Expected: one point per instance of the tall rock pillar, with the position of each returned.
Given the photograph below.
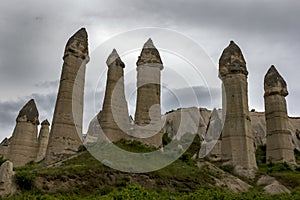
(237, 137)
(23, 143)
(148, 110)
(279, 138)
(114, 118)
(43, 141)
(66, 130)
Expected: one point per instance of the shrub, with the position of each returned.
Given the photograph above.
(261, 154)
(227, 168)
(25, 181)
(81, 148)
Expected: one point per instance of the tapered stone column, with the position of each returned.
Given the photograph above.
(66, 130)
(148, 110)
(114, 118)
(279, 137)
(23, 143)
(43, 141)
(237, 136)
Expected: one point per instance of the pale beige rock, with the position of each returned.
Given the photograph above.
(148, 111)
(43, 141)
(66, 131)
(23, 143)
(258, 125)
(265, 180)
(7, 185)
(237, 136)
(114, 118)
(4, 147)
(176, 125)
(211, 147)
(225, 179)
(279, 137)
(276, 188)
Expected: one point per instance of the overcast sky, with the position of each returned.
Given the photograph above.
(33, 35)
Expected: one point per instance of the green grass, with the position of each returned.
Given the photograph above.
(84, 177)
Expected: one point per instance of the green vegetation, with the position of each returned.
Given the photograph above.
(84, 177)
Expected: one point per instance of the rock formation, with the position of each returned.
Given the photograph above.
(237, 137)
(279, 138)
(7, 185)
(66, 130)
(4, 147)
(43, 141)
(211, 146)
(114, 118)
(23, 143)
(148, 110)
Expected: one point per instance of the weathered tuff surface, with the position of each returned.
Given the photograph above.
(272, 186)
(148, 110)
(4, 147)
(173, 119)
(114, 118)
(7, 185)
(66, 130)
(23, 143)
(43, 141)
(279, 137)
(211, 145)
(237, 137)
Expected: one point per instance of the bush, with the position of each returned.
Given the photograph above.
(165, 139)
(25, 181)
(81, 148)
(261, 154)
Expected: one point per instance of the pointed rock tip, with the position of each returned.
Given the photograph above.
(78, 44)
(272, 78)
(45, 123)
(231, 49)
(30, 111)
(272, 70)
(149, 44)
(114, 56)
(81, 33)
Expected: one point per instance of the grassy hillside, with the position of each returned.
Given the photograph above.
(84, 177)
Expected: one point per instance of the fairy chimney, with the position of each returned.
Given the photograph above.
(23, 143)
(237, 137)
(66, 130)
(279, 137)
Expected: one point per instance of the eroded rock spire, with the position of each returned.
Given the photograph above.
(148, 110)
(114, 118)
(279, 137)
(66, 130)
(237, 137)
(23, 143)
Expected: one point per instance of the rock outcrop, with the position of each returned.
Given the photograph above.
(148, 111)
(4, 147)
(114, 118)
(279, 137)
(66, 130)
(272, 186)
(7, 185)
(211, 146)
(237, 137)
(43, 141)
(23, 143)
